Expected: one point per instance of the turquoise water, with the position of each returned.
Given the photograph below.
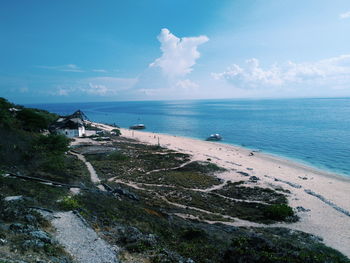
(312, 131)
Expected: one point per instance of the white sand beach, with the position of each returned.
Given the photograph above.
(324, 196)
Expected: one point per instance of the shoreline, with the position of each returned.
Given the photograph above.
(321, 199)
(276, 156)
(285, 160)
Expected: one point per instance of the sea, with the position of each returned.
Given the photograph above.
(312, 131)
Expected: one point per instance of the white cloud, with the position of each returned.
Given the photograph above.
(186, 84)
(100, 86)
(64, 68)
(344, 15)
(100, 70)
(108, 85)
(62, 92)
(100, 90)
(179, 54)
(332, 72)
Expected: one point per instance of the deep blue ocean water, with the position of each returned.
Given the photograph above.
(312, 131)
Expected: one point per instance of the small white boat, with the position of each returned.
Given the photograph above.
(138, 127)
(214, 137)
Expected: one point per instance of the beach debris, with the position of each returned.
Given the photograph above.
(251, 154)
(234, 163)
(254, 179)
(289, 183)
(302, 209)
(328, 202)
(302, 177)
(243, 173)
(250, 169)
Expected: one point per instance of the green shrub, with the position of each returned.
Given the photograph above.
(35, 120)
(193, 233)
(52, 143)
(53, 163)
(117, 156)
(69, 203)
(117, 132)
(278, 211)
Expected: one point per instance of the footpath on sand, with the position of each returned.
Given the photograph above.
(80, 240)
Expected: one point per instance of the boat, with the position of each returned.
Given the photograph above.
(138, 127)
(214, 137)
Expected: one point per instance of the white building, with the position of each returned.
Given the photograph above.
(70, 126)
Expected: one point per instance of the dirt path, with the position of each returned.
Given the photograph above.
(81, 241)
(169, 169)
(93, 175)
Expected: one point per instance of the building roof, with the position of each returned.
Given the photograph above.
(73, 121)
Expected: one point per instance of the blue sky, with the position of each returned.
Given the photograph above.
(66, 51)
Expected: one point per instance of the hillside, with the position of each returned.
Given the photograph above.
(132, 202)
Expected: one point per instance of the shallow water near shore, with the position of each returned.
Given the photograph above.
(315, 132)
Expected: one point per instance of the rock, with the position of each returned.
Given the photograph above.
(32, 244)
(13, 198)
(243, 173)
(41, 235)
(302, 209)
(167, 256)
(132, 234)
(59, 260)
(12, 261)
(11, 209)
(289, 183)
(21, 228)
(124, 192)
(254, 179)
(31, 219)
(2, 242)
(132, 239)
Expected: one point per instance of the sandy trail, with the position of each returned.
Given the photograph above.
(93, 175)
(140, 186)
(81, 241)
(169, 169)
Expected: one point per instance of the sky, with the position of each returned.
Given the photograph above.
(113, 50)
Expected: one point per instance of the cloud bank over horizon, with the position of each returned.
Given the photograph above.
(221, 49)
(333, 73)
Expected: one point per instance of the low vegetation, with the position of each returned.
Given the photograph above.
(158, 211)
(252, 193)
